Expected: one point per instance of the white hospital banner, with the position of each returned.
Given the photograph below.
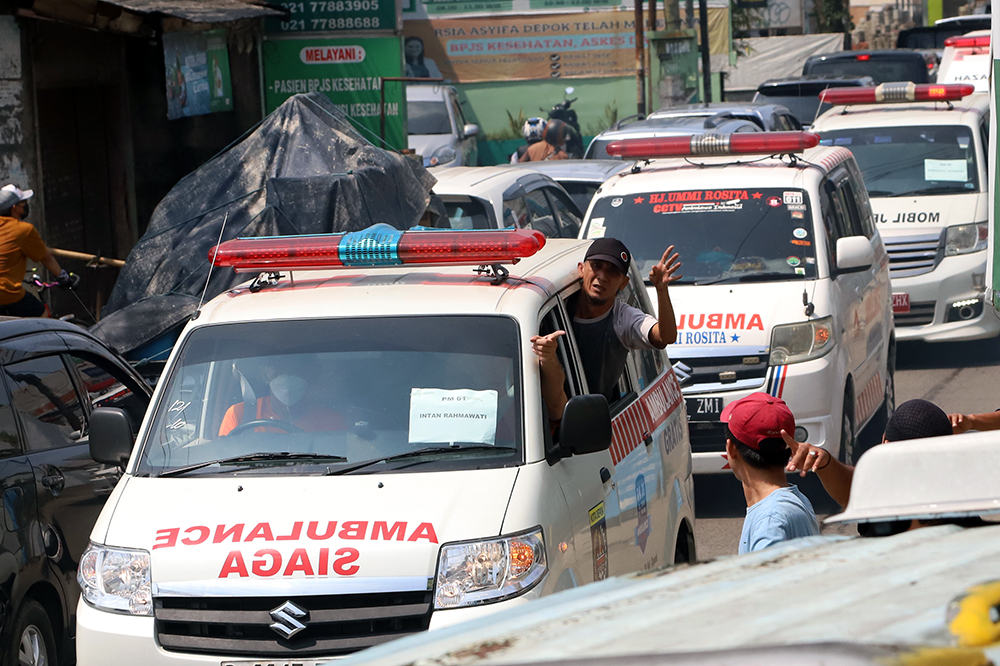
(443, 416)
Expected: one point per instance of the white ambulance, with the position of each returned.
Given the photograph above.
(922, 150)
(419, 482)
(785, 283)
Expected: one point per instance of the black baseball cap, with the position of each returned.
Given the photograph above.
(612, 251)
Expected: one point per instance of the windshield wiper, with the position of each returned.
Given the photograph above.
(419, 452)
(753, 277)
(943, 189)
(254, 457)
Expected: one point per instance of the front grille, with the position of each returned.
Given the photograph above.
(335, 624)
(749, 370)
(913, 255)
(707, 436)
(920, 314)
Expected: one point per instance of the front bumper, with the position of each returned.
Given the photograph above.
(935, 291)
(806, 387)
(113, 638)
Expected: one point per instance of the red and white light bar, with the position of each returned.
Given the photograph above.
(752, 143)
(379, 245)
(902, 91)
(968, 42)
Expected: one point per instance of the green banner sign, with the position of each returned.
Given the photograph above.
(339, 15)
(349, 71)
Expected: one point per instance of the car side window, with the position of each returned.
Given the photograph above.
(556, 320)
(515, 213)
(861, 200)
(792, 122)
(10, 440)
(456, 108)
(103, 384)
(569, 222)
(833, 221)
(45, 398)
(984, 130)
(540, 215)
(849, 205)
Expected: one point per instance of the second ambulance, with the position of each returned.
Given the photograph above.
(785, 283)
(922, 150)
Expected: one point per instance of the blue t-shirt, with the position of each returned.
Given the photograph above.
(784, 514)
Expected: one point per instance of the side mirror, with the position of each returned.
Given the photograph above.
(854, 253)
(586, 425)
(570, 90)
(111, 436)
(470, 130)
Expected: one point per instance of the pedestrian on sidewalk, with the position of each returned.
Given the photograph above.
(776, 510)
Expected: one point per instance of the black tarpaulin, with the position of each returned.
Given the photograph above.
(304, 170)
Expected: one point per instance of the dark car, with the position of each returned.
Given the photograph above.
(882, 66)
(53, 375)
(933, 36)
(801, 94)
(768, 116)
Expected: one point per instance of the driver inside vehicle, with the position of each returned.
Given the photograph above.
(296, 402)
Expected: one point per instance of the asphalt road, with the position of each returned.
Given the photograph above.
(959, 377)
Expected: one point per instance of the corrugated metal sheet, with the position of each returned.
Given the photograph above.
(198, 11)
(878, 591)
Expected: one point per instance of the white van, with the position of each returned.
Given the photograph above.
(922, 150)
(785, 284)
(420, 483)
(967, 59)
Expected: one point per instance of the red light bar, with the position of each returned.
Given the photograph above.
(897, 92)
(752, 143)
(967, 42)
(380, 245)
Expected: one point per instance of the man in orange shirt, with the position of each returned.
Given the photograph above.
(294, 404)
(552, 145)
(20, 241)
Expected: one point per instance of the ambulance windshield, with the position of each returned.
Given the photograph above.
(315, 396)
(912, 161)
(752, 235)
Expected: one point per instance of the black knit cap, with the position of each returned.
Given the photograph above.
(915, 419)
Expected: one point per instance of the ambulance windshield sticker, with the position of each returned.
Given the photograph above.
(599, 538)
(794, 261)
(617, 201)
(773, 202)
(792, 197)
(596, 228)
(800, 232)
(695, 201)
(441, 416)
(946, 170)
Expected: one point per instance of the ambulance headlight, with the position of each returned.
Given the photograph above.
(473, 573)
(116, 580)
(795, 343)
(966, 238)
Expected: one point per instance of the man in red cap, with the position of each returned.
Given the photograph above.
(776, 510)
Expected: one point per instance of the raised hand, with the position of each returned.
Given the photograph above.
(663, 273)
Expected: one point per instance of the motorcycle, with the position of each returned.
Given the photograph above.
(563, 112)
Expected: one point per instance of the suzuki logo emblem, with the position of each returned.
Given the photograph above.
(683, 372)
(285, 619)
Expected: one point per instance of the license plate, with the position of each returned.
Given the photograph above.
(900, 303)
(277, 662)
(704, 409)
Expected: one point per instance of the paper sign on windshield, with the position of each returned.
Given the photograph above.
(441, 416)
(950, 170)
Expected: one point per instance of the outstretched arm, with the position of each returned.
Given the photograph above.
(553, 375)
(664, 332)
(835, 476)
(966, 422)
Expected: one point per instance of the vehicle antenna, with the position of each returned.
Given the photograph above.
(211, 265)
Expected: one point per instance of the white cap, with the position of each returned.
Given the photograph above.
(22, 195)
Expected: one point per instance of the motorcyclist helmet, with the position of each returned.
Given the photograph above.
(555, 132)
(533, 129)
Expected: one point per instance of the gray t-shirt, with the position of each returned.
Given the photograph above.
(783, 515)
(605, 342)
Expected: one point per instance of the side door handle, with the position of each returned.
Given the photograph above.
(605, 475)
(54, 480)
(648, 439)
